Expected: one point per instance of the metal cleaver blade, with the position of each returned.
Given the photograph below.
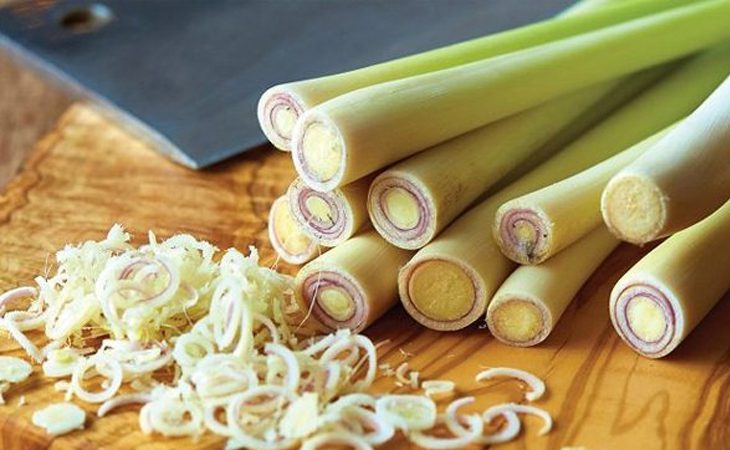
(186, 75)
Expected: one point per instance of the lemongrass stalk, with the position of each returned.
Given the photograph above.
(281, 106)
(291, 244)
(357, 133)
(411, 202)
(661, 299)
(353, 284)
(448, 283)
(679, 181)
(532, 299)
(531, 228)
(330, 217)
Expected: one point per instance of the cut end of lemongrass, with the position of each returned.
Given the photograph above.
(278, 112)
(324, 215)
(518, 321)
(318, 151)
(440, 294)
(401, 212)
(335, 299)
(287, 238)
(646, 319)
(522, 234)
(634, 208)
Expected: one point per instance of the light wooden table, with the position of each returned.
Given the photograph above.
(87, 175)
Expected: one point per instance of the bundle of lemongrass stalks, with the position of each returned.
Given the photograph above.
(467, 180)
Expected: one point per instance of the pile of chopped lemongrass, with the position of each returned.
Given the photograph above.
(204, 344)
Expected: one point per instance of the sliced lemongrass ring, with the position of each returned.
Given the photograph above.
(104, 365)
(335, 439)
(464, 438)
(537, 386)
(494, 411)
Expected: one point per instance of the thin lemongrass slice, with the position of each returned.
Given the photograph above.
(212, 421)
(123, 400)
(382, 431)
(174, 418)
(191, 348)
(353, 284)
(105, 366)
(351, 400)
(494, 411)
(453, 421)
(335, 439)
(350, 343)
(281, 106)
(506, 432)
(407, 412)
(14, 370)
(331, 217)
(464, 439)
(532, 299)
(360, 132)
(682, 179)
(447, 285)
(300, 419)
(60, 418)
(290, 242)
(435, 388)
(15, 294)
(536, 385)
(61, 362)
(662, 298)
(412, 201)
(293, 371)
(534, 227)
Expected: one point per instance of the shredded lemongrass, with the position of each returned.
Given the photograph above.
(22, 340)
(218, 331)
(537, 386)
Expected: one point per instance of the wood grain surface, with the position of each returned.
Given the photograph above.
(87, 175)
(29, 107)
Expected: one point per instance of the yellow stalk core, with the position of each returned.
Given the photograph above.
(646, 319)
(336, 302)
(525, 231)
(287, 231)
(319, 208)
(441, 290)
(401, 208)
(322, 151)
(638, 210)
(285, 117)
(517, 321)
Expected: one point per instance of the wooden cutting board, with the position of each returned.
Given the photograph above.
(87, 174)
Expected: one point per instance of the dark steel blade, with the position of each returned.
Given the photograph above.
(186, 74)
